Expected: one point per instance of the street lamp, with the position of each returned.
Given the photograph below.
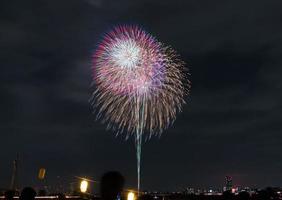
(83, 186)
(130, 196)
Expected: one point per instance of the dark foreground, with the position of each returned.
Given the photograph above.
(173, 197)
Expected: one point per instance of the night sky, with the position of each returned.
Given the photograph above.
(231, 124)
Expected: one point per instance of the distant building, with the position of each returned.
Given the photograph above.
(190, 190)
(228, 183)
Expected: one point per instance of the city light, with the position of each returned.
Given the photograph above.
(233, 190)
(130, 196)
(83, 186)
(41, 173)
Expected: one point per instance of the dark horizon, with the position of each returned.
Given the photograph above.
(229, 126)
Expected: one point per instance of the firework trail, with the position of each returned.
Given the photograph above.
(140, 84)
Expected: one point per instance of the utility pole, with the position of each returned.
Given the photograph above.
(14, 180)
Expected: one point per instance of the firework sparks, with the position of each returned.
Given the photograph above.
(140, 84)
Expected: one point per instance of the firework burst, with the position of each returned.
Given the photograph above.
(140, 84)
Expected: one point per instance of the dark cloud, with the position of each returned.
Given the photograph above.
(230, 125)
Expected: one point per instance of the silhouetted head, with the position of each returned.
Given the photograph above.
(28, 193)
(9, 194)
(111, 185)
(243, 196)
(227, 195)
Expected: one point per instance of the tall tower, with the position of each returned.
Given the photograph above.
(14, 180)
(228, 183)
